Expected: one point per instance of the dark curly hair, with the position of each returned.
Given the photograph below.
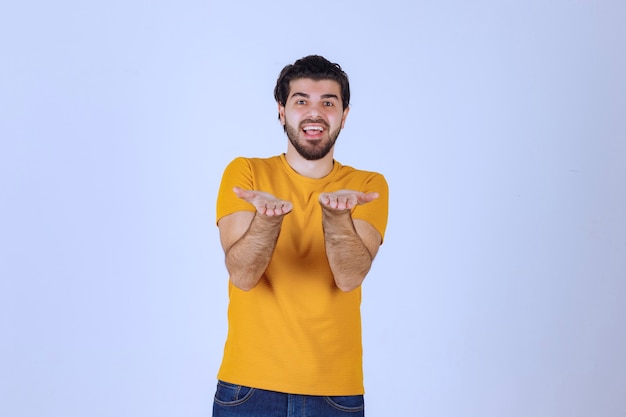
(316, 68)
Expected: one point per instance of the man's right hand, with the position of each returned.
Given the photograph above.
(265, 203)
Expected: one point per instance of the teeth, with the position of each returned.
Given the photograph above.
(313, 128)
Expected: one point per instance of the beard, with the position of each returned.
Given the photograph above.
(312, 151)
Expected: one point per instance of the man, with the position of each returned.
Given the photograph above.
(299, 232)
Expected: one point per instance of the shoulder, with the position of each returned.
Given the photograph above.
(361, 175)
(251, 163)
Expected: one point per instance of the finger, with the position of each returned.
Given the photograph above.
(286, 207)
(276, 208)
(366, 198)
(270, 208)
(243, 194)
(238, 190)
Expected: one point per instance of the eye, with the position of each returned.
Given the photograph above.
(300, 102)
(328, 103)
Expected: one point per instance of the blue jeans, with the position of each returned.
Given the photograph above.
(238, 401)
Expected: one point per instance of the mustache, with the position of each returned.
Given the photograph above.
(315, 121)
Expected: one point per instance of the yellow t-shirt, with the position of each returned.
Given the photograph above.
(296, 332)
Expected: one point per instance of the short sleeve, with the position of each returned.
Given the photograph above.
(375, 212)
(237, 174)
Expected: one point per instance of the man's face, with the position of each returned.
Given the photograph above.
(313, 116)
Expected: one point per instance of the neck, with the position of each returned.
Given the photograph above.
(311, 169)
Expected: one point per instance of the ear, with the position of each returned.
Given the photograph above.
(344, 116)
(281, 113)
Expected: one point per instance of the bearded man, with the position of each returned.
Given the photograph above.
(300, 232)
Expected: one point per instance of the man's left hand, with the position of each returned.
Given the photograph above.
(345, 199)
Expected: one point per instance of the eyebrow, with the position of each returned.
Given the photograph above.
(323, 96)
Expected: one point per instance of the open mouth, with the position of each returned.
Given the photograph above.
(313, 130)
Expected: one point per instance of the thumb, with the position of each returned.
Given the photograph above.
(366, 198)
(241, 193)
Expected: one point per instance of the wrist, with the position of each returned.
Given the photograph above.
(337, 222)
(265, 221)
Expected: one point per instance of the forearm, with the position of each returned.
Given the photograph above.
(349, 258)
(247, 258)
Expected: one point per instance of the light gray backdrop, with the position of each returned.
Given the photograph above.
(499, 125)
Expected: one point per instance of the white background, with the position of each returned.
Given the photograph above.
(499, 125)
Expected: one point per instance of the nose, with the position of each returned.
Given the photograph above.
(314, 111)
